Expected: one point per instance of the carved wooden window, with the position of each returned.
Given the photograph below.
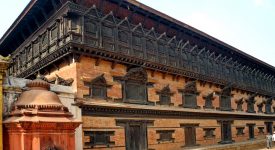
(240, 131)
(250, 104)
(98, 138)
(165, 135)
(44, 39)
(136, 40)
(107, 31)
(165, 96)
(23, 57)
(268, 104)
(54, 31)
(226, 135)
(225, 99)
(134, 86)
(150, 45)
(29, 53)
(209, 101)
(189, 96)
(261, 130)
(90, 27)
(260, 107)
(209, 133)
(240, 104)
(123, 36)
(98, 87)
(35, 47)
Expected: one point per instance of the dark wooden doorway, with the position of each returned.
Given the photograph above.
(269, 127)
(226, 133)
(251, 131)
(135, 133)
(190, 134)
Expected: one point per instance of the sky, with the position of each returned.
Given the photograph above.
(248, 25)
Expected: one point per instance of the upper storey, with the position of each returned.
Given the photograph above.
(132, 33)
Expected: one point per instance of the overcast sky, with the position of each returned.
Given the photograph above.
(248, 25)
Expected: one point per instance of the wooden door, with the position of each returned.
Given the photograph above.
(190, 136)
(136, 137)
(251, 131)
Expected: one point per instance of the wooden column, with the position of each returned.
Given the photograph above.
(3, 68)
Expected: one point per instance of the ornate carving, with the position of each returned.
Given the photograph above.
(65, 82)
(239, 103)
(208, 101)
(136, 74)
(165, 96)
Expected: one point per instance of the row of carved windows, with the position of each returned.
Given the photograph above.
(103, 138)
(219, 69)
(135, 85)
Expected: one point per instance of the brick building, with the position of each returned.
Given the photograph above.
(142, 79)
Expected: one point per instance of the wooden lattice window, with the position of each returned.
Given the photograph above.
(209, 133)
(90, 27)
(98, 138)
(225, 99)
(209, 101)
(239, 103)
(98, 87)
(107, 31)
(123, 36)
(54, 32)
(260, 107)
(165, 96)
(189, 95)
(35, 47)
(240, 131)
(134, 86)
(268, 104)
(165, 135)
(44, 39)
(136, 40)
(250, 103)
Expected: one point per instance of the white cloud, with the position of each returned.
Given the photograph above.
(205, 23)
(259, 3)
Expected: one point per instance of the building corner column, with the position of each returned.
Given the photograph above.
(3, 68)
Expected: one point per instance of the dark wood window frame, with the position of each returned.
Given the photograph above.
(209, 101)
(240, 131)
(260, 107)
(268, 104)
(99, 139)
(97, 88)
(209, 133)
(250, 104)
(239, 103)
(136, 78)
(165, 96)
(165, 136)
(189, 95)
(225, 99)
